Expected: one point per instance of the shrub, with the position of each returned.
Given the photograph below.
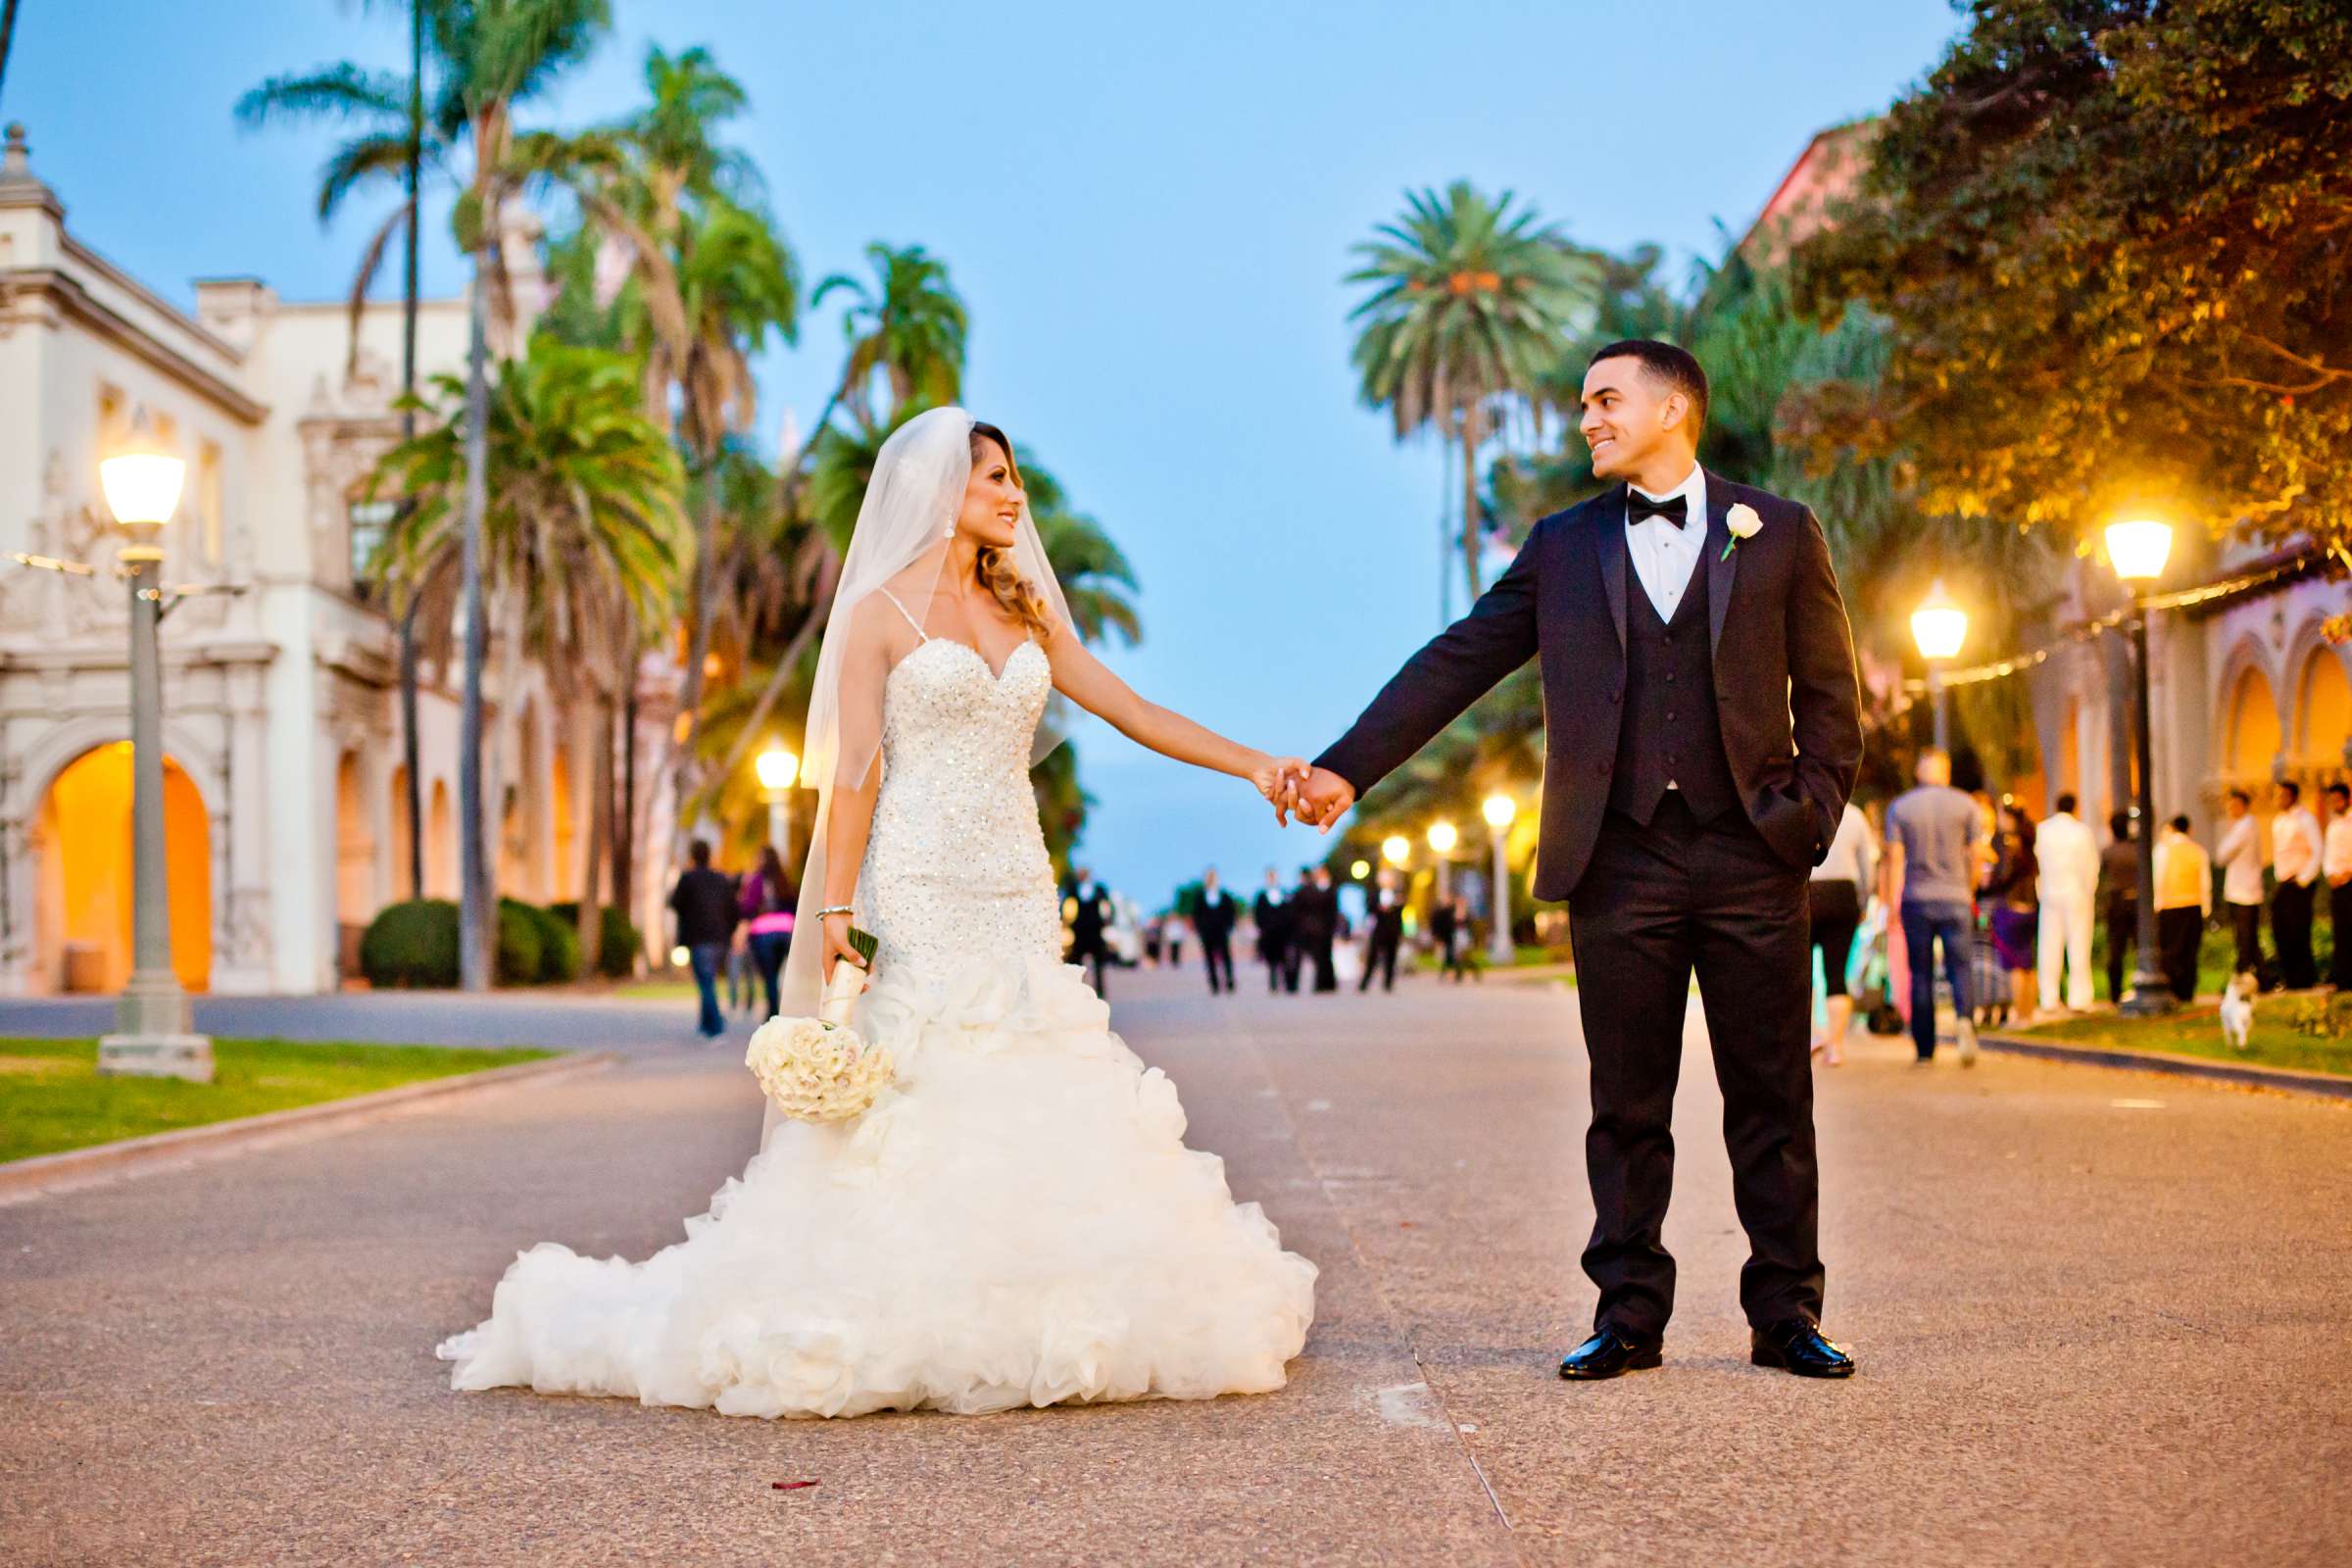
(558, 948)
(412, 944)
(617, 953)
(519, 944)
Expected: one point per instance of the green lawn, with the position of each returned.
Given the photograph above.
(52, 1099)
(2197, 1032)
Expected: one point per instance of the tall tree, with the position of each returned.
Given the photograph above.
(908, 326)
(2109, 237)
(399, 140)
(1471, 300)
(580, 533)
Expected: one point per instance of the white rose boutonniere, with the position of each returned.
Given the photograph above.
(1743, 523)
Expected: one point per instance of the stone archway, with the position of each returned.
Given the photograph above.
(82, 854)
(2251, 730)
(440, 843)
(2323, 711)
(356, 899)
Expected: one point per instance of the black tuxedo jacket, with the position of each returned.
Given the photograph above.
(1783, 662)
(1214, 916)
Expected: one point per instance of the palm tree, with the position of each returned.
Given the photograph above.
(1094, 576)
(580, 534)
(909, 326)
(1471, 301)
(8, 31)
(415, 143)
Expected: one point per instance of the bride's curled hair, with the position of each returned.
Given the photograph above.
(997, 574)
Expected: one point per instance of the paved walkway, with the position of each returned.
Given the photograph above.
(2102, 1317)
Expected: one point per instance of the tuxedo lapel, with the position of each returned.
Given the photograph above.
(1608, 542)
(1721, 561)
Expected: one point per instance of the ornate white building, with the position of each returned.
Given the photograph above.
(284, 773)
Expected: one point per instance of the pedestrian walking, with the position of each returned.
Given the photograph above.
(2240, 856)
(2183, 898)
(2336, 866)
(1459, 945)
(1213, 921)
(704, 902)
(2119, 897)
(1091, 917)
(1317, 907)
(768, 905)
(2067, 887)
(1271, 913)
(2295, 851)
(1935, 840)
(2014, 912)
(1384, 930)
(1834, 897)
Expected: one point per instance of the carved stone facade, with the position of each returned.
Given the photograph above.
(280, 686)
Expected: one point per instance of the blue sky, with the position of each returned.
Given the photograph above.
(1149, 211)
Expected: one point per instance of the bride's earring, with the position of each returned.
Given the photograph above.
(950, 532)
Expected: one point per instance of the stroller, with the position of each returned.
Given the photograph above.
(1870, 974)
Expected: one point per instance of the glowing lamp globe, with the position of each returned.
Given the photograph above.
(1360, 870)
(1939, 625)
(1443, 838)
(1499, 810)
(1396, 848)
(142, 480)
(777, 769)
(2139, 547)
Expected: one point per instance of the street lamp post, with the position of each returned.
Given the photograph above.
(1500, 809)
(154, 1036)
(2138, 549)
(1939, 626)
(778, 772)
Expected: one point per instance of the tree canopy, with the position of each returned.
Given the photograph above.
(2112, 240)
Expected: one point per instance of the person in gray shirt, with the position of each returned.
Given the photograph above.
(1935, 838)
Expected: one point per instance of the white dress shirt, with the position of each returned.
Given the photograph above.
(2240, 857)
(2336, 859)
(2067, 858)
(1664, 556)
(2295, 846)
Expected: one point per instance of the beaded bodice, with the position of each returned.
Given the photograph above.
(955, 868)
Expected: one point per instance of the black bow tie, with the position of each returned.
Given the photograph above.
(1674, 508)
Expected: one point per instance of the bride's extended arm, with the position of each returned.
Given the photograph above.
(1083, 678)
(857, 778)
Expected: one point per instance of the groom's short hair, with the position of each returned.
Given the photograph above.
(1677, 368)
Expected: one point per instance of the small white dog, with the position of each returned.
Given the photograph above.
(2237, 1012)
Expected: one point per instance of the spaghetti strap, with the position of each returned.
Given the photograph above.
(902, 610)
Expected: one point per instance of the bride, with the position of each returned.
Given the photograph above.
(1017, 1222)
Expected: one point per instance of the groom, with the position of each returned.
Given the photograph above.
(1702, 732)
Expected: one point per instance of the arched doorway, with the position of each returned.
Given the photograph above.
(354, 864)
(566, 879)
(82, 901)
(2253, 727)
(399, 797)
(440, 844)
(2323, 711)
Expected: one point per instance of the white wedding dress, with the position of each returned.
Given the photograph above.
(1016, 1223)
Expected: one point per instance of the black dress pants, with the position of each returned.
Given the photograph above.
(2290, 935)
(1658, 903)
(1216, 953)
(1380, 952)
(1327, 974)
(2179, 933)
(2123, 935)
(2245, 924)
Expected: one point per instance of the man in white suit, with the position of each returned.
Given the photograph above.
(2069, 859)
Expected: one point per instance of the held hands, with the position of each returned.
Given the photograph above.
(1318, 797)
(1276, 777)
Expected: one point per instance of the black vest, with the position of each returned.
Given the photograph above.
(1669, 729)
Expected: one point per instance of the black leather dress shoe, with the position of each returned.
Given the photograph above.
(1795, 1345)
(1610, 1352)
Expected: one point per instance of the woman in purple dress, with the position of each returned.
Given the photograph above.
(2011, 891)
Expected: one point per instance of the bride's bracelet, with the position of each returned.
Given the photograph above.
(837, 909)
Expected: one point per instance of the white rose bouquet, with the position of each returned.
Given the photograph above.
(818, 1069)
